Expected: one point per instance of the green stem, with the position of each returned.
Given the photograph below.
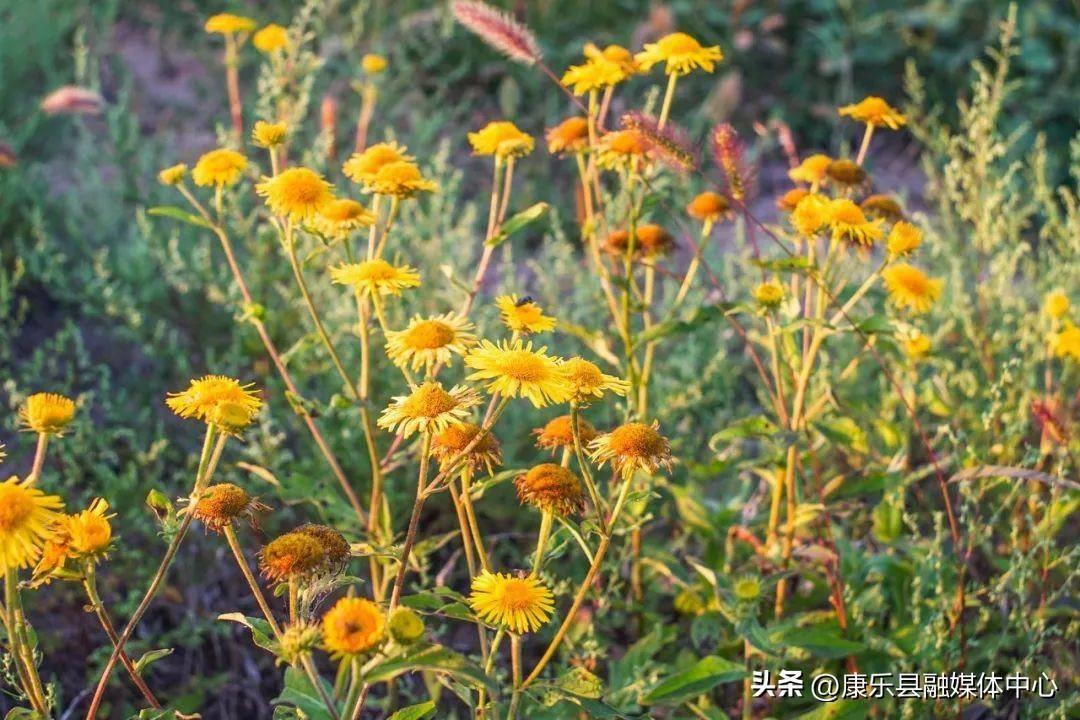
(541, 542)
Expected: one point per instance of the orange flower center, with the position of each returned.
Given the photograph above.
(636, 440)
(16, 506)
(428, 401)
(429, 335)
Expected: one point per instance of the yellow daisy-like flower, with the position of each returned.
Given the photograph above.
(769, 294)
(631, 447)
(523, 316)
(602, 69)
(791, 199)
(909, 287)
(810, 215)
(708, 207)
(89, 532)
(680, 54)
(619, 149)
(268, 135)
(173, 175)
(352, 627)
(551, 488)
(1067, 342)
(516, 370)
(401, 180)
(428, 408)
(270, 39)
(848, 223)
(373, 64)
(811, 170)
(448, 444)
(217, 400)
(874, 111)
(1056, 304)
(916, 345)
(371, 276)
(338, 219)
(426, 342)
(54, 556)
(296, 193)
(558, 433)
(502, 139)
(362, 167)
(904, 239)
(520, 604)
(587, 382)
(47, 413)
(27, 516)
(292, 555)
(221, 167)
(227, 24)
(569, 136)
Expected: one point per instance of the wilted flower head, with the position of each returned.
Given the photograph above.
(845, 172)
(225, 503)
(502, 139)
(449, 443)
(708, 207)
(551, 488)
(292, 555)
(498, 29)
(47, 413)
(874, 111)
(558, 433)
(680, 54)
(882, 206)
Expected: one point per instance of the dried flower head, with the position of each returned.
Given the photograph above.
(428, 408)
(501, 139)
(569, 136)
(449, 443)
(47, 413)
(523, 315)
(225, 503)
(498, 29)
(551, 488)
(221, 168)
(426, 342)
(375, 276)
(292, 555)
(335, 546)
(680, 54)
(520, 604)
(27, 518)
(882, 206)
(271, 38)
(353, 627)
(631, 447)
(909, 287)
(516, 370)
(874, 111)
(845, 173)
(558, 433)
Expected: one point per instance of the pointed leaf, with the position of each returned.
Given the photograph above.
(699, 678)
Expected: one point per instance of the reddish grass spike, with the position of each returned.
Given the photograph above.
(730, 156)
(499, 30)
(668, 144)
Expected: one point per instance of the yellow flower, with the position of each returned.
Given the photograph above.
(54, 556)
(708, 206)
(1067, 342)
(271, 38)
(27, 516)
(791, 199)
(400, 179)
(222, 504)
(680, 53)
(811, 170)
(523, 316)
(268, 135)
(516, 370)
(219, 167)
(227, 24)
(353, 627)
(770, 294)
(631, 447)
(910, 288)
(520, 604)
(502, 139)
(850, 224)
(371, 276)
(620, 148)
(292, 555)
(569, 136)
(587, 382)
(1056, 304)
(89, 532)
(426, 342)
(602, 69)
(448, 444)
(874, 111)
(296, 193)
(338, 219)
(217, 400)
(47, 413)
(558, 433)
(551, 488)
(362, 167)
(173, 175)
(916, 345)
(811, 214)
(904, 238)
(373, 64)
(428, 408)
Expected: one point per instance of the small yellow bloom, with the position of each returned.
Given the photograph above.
(516, 370)
(54, 556)
(426, 342)
(681, 53)
(362, 167)
(917, 345)
(1067, 342)
(631, 447)
(227, 24)
(296, 193)
(268, 135)
(270, 39)
(910, 288)
(373, 64)
(601, 69)
(502, 139)
(89, 532)
(27, 516)
(558, 433)
(352, 627)
(811, 170)
(874, 111)
(520, 604)
(428, 408)
(173, 175)
(449, 443)
(551, 488)
(810, 215)
(769, 294)
(708, 206)
(375, 276)
(848, 223)
(217, 400)
(904, 239)
(619, 149)
(569, 136)
(524, 315)
(338, 219)
(1056, 304)
(587, 382)
(400, 179)
(47, 413)
(221, 167)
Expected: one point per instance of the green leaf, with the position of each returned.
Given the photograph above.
(753, 426)
(415, 712)
(702, 676)
(794, 263)
(261, 634)
(579, 681)
(299, 693)
(171, 211)
(150, 656)
(840, 710)
(699, 317)
(820, 641)
(517, 222)
(435, 658)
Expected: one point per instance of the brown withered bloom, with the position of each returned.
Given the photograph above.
(334, 544)
(652, 240)
(558, 433)
(292, 555)
(882, 206)
(223, 504)
(448, 444)
(551, 488)
(845, 172)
